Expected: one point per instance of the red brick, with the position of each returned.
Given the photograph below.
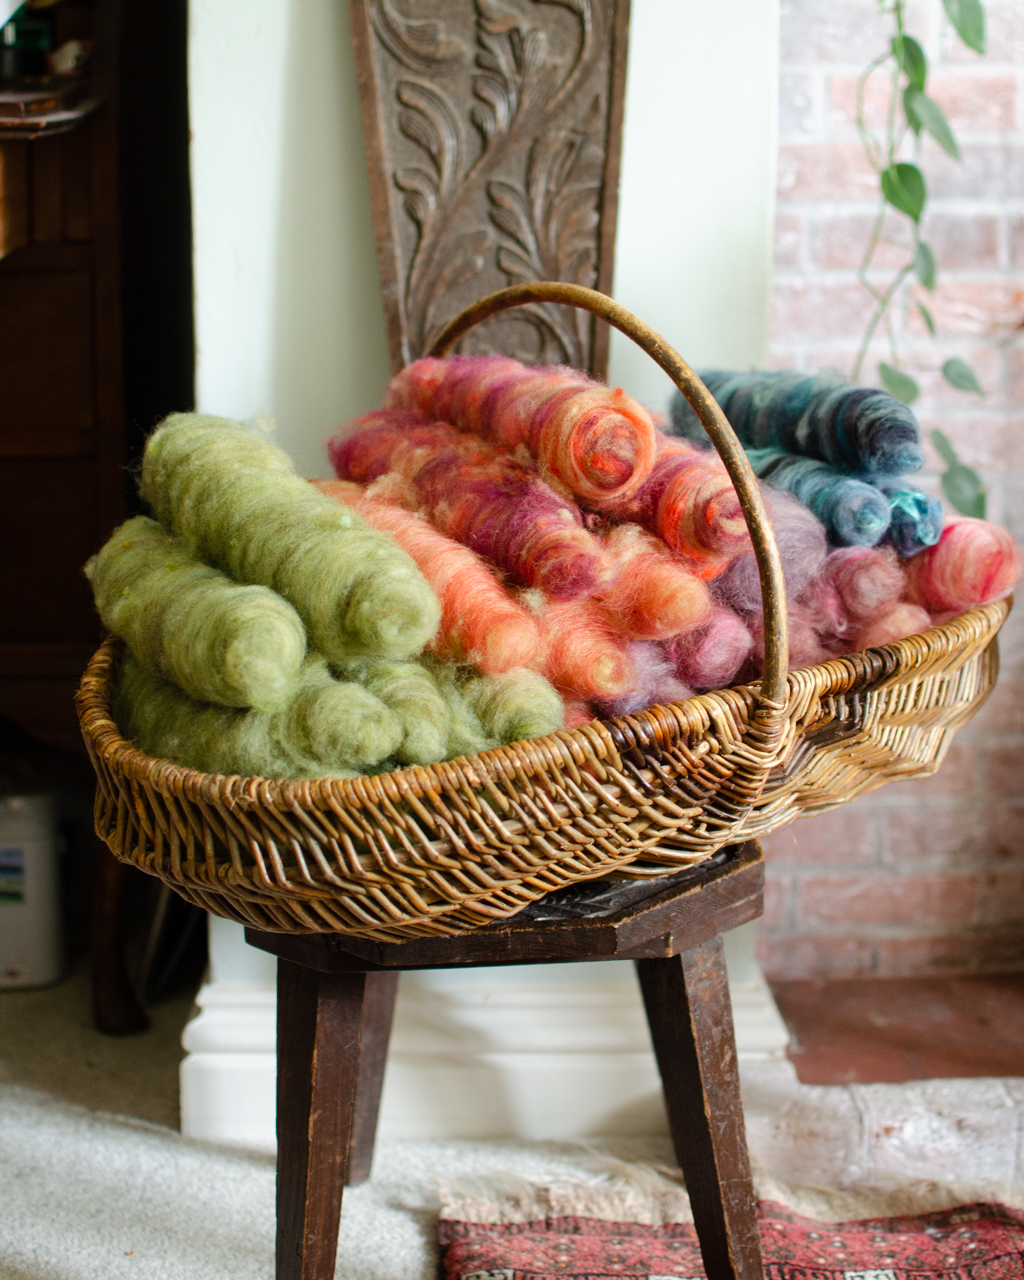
(777, 896)
(963, 242)
(1016, 229)
(817, 310)
(1002, 713)
(826, 955)
(956, 779)
(969, 834)
(885, 900)
(825, 171)
(1001, 896)
(837, 30)
(987, 441)
(842, 101)
(1004, 771)
(845, 836)
(975, 952)
(798, 114)
(789, 237)
(985, 308)
(992, 169)
(839, 243)
(976, 102)
(1015, 374)
(936, 393)
(1013, 519)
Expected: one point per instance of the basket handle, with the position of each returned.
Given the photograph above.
(773, 586)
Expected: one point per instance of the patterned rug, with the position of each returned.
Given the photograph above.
(973, 1242)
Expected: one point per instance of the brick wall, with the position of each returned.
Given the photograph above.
(928, 876)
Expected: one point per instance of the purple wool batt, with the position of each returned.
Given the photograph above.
(710, 656)
(802, 548)
(657, 683)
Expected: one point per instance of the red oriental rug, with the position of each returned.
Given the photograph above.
(973, 1242)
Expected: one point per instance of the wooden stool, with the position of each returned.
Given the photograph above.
(336, 994)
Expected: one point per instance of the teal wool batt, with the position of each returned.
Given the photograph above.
(853, 512)
(917, 517)
(241, 646)
(236, 499)
(518, 704)
(330, 728)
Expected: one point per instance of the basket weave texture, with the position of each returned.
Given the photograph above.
(442, 848)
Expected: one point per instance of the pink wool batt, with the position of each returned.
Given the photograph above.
(973, 562)
(657, 595)
(856, 586)
(690, 503)
(589, 440)
(710, 656)
(480, 622)
(484, 499)
(802, 544)
(805, 645)
(899, 622)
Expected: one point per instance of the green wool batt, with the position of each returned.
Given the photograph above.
(330, 729)
(420, 704)
(219, 641)
(518, 704)
(236, 499)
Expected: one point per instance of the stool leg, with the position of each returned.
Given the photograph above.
(318, 1024)
(375, 1032)
(690, 1016)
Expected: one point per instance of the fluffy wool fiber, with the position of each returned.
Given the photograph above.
(480, 622)
(330, 728)
(217, 640)
(805, 645)
(901, 621)
(868, 580)
(709, 657)
(854, 429)
(490, 502)
(519, 704)
(581, 653)
(915, 517)
(589, 440)
(974, 562)
(800, 537)
(236, 500)
(656, 681)
(690, 502)
(853, 512)
(422, 707)
(657, 595)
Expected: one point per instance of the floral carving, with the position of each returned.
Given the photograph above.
(495, 123)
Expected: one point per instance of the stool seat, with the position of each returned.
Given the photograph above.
(335, 1004)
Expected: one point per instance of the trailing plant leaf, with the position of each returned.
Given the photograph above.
(968, 17)
(924, 267)
(903, 186)
(961, 486)
(911, 60)
(958, 373)
(926, 316)
(923, 112)
(897, 383)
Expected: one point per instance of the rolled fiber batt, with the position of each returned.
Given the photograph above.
(492, 503)
(241, 646)
(855, 429)
(853, 512)
(480, 622)
(657, 594)
(974, 562)
(589, 440)
(330, 728)
(236, 500)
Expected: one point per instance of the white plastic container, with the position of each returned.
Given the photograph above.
(30, 950)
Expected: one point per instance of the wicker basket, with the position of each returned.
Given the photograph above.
(443, 848)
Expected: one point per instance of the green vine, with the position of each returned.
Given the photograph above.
(911, 113)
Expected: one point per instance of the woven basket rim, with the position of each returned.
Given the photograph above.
(589, 744)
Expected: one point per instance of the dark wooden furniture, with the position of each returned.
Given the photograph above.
(336, 996)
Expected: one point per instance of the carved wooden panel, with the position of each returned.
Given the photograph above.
(493, 131)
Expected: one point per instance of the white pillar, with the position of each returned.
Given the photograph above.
(289, 323)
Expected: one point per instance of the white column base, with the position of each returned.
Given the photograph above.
(533, 1051)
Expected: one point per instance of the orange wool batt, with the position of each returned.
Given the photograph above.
(592, 441)
(657, 595)
(480, 622)
(582, 655)
(974, 562)
(690, 502)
